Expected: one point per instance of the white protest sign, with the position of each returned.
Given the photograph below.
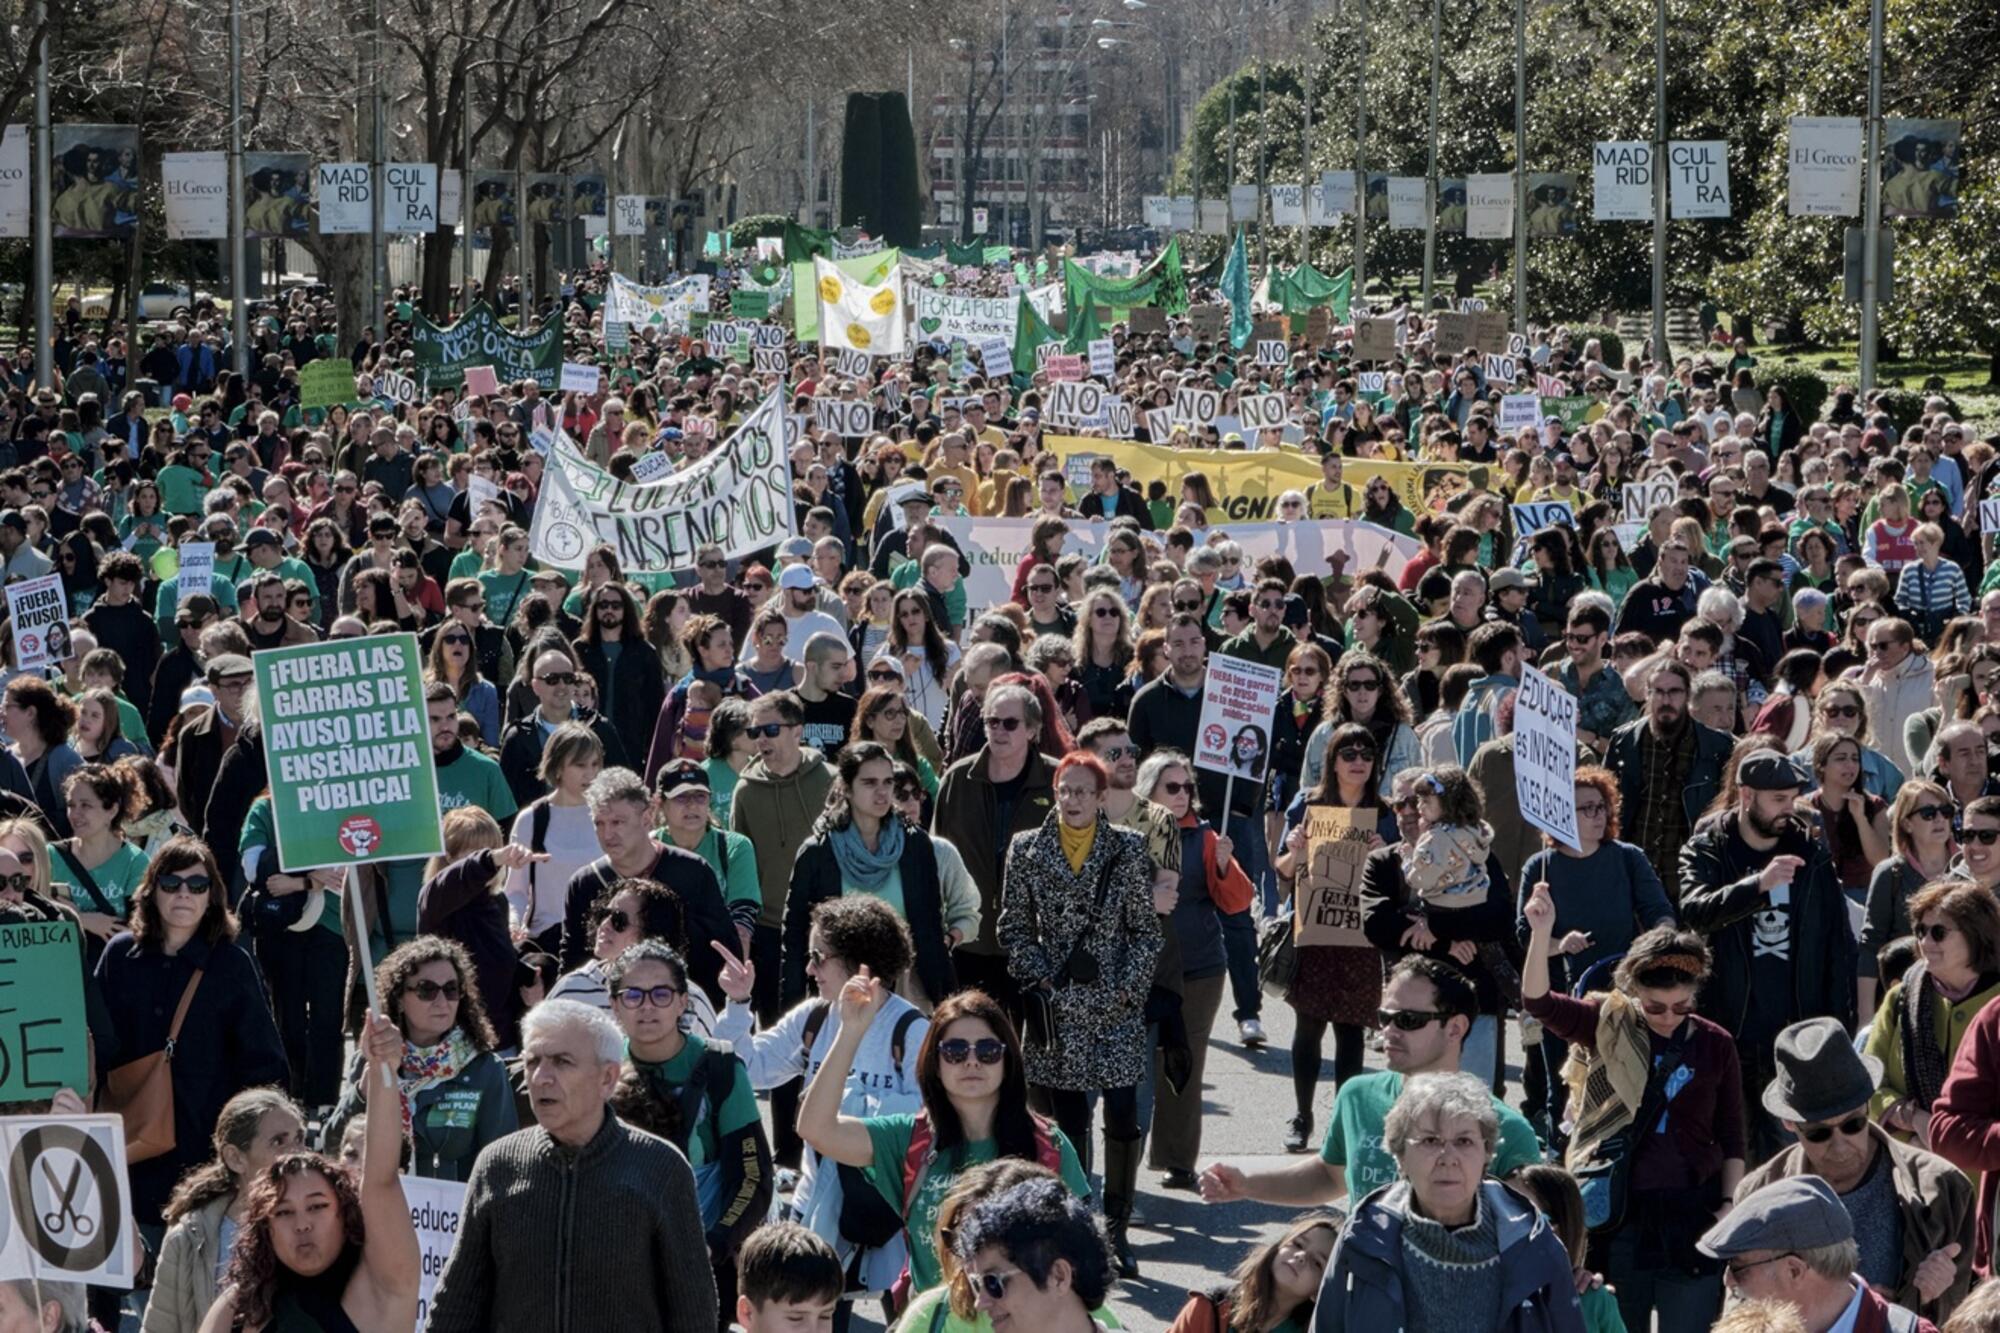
(1517, 344)
(396, 388)
(1989, 517)
(1545, 755)
(1642, 499)
(1471, 305)
(628, 216)
(1159, 424)
(346, 198)
(69, 1201)
(1621, 181)
(410, 197)
(843, 418)
(852, 364)
(974, 319)
(1270, 351)
(1197, 407)
(579, 377)
(40, 614)
(1518, 410)
(997, 355)
(1698, 178)
(652, 466)
(482, 491)
(1542, 514)
(1103, 358)
(1501, 369)
(1238, 703)
(1076, 402)
(1118, 418)
(1370, 381)
(1824, 167)
(197, 571)
(1262, 411)
(768, 360)
(435, 1209)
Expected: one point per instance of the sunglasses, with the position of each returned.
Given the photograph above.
(816, 958)
(1985, 837)
(558, 678)
(431, 990)
(1658, 1009)
(1050, 587)
(1580, 636)
(1016, 723)
(1108, 613)
(1114, 753)
(987, 1050)
(1187, 606)
(457, 640)
(1362, 683)
(1936, 932)
(1848, 1128)
(619, 920)
(1932, 812)
(756, 587)
(1842, 710)
(638, 997)
(1409, 1020)
(995, 1284)
(885, 676)
(194, 886)
(769, 730)
(1354, 754)
(19, 882)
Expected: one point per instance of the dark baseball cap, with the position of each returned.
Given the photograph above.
(682, 776)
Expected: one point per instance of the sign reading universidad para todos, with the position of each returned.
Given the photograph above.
(347, 751)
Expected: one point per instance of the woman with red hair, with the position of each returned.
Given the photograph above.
(1055, 740)
(1079, 932)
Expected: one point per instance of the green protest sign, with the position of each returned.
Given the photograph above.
(747, 304)
(1571, 410)
(326, 381)
(348, 752)
(44, 1044)
(479, 339)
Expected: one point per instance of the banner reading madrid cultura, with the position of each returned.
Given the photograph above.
(479, 339)
(738, 497)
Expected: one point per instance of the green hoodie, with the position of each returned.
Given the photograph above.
(777, 815)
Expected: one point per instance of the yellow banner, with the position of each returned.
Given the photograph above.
(1247, 483)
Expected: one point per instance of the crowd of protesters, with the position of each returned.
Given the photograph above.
(800, 918)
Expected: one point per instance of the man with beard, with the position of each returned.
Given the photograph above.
(1762, 887)
(631, 684)
(1657, 606)
(1669, 767)
(270, 627)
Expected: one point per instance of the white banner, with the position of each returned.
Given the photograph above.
(739, 497)
(1824, 179)
(346, 198)
(435, 1209)
(1698, 178)
(40, 614)
(1157, 210)
(1489, 206)
(1243, 203)
(1288, 205)
(628, 217)
(1215, 217)
(972, 318)
(1406, 203)
(627, 302)
(1545, 755)
(15, 208)
(867, 318)
(1621, 181)
(70, 1202)
(1337, 192)
(994, 546)
(410, 198)
(195, 190)
(1239, 701)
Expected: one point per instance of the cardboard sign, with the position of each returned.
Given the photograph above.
(1518, 410)
(1103, 359)
(40, 613)
(1542, 514)
(1545, 755)
(1642, 499)
(1197, 407)
(1489, 330)
(1501, 369)
(1270, 351)
(1374, 339)
(436, 1207)
(1319, 325)
(1238, 703)
(1453, 332)
(482, 380)
(197, 571)
(1262, 411)
(1207, 321)
(843, 418)
(580, 378)
(1267, 330)
(69, 1200)
(1147, 319)
(44, 1043)
(1329, 884)
(347, 752)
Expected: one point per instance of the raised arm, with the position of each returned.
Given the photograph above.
(842, 1137)
(390, 1260)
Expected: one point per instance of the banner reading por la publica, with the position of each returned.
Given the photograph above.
(347, 752)
(972, 318)
(738, 497)
(479, 339)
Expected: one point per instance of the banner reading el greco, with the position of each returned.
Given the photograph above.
(739, 497)
(479, 339)
(1248, 483)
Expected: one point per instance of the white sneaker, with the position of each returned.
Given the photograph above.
(1250, 1032)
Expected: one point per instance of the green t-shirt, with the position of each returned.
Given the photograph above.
(260, 830)
(1354, 1134)
(181, 489)
(737, 1108)
(890, 1135)
(116, 879)
(930, 1312)
(168, 599)
(503, 593)
(474, 779)
(1600, 1311)
(739, 883)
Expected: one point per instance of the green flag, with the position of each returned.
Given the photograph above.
(1236, 290)
(1030, 332)
(802, 243)
(1084, 327)
(1161, 283)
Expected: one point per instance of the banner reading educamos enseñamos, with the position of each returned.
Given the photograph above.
(347, 752)
(739, 497)
(479, 339)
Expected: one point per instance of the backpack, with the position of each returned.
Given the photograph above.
(866, 1218)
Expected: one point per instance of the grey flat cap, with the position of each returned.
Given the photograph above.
(1796, 1213)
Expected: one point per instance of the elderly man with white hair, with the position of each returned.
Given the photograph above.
(533, 1249)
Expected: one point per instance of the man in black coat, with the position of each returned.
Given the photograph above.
(1107, 499)
(631, 684)
(554, 683)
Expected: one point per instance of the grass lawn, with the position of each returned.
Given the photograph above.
(1964, 374)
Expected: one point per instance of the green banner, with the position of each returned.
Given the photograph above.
(44, 1043)
(347, 752)
(326, 381)
(445, 352)
(1573, 411)
(1161, 283)
(746, 303)
(1305, 287)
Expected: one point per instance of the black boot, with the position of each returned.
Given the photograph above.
(1121, 1183)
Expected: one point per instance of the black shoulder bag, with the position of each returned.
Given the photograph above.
(1038, 1010)
(1606, 1183)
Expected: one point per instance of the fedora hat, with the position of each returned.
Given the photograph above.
(1820, 1075)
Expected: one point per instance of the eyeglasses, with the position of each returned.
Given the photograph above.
(1409, 1020)
(19, 882)
(638, 997)
(1361, 683)
(1006, 723)
(1660, 1009)
(620, 920)
(1932, 812)
(768, 730)
(1985, 837)
(1107, 613)
(431, 990)
(1354, 754)
(994, 1284)
(1738, 1270)
(1113, 753)
(558, 679)
(1936, 932)
(987, 1050)
(1848, 1128)
(194, 886)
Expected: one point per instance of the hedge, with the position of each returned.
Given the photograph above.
(745, 232)
(1805, 389)
(1614, 346)
(1905, 406)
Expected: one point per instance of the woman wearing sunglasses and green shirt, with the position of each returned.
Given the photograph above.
(975, 1091)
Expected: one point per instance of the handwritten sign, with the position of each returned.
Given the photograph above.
(579, 377)
(1545, 755)
(1329, 888)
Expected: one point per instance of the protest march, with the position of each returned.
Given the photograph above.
(1279, 757)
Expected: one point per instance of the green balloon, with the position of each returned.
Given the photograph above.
(937, 279)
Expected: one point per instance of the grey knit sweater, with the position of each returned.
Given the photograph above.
(606, 1239)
